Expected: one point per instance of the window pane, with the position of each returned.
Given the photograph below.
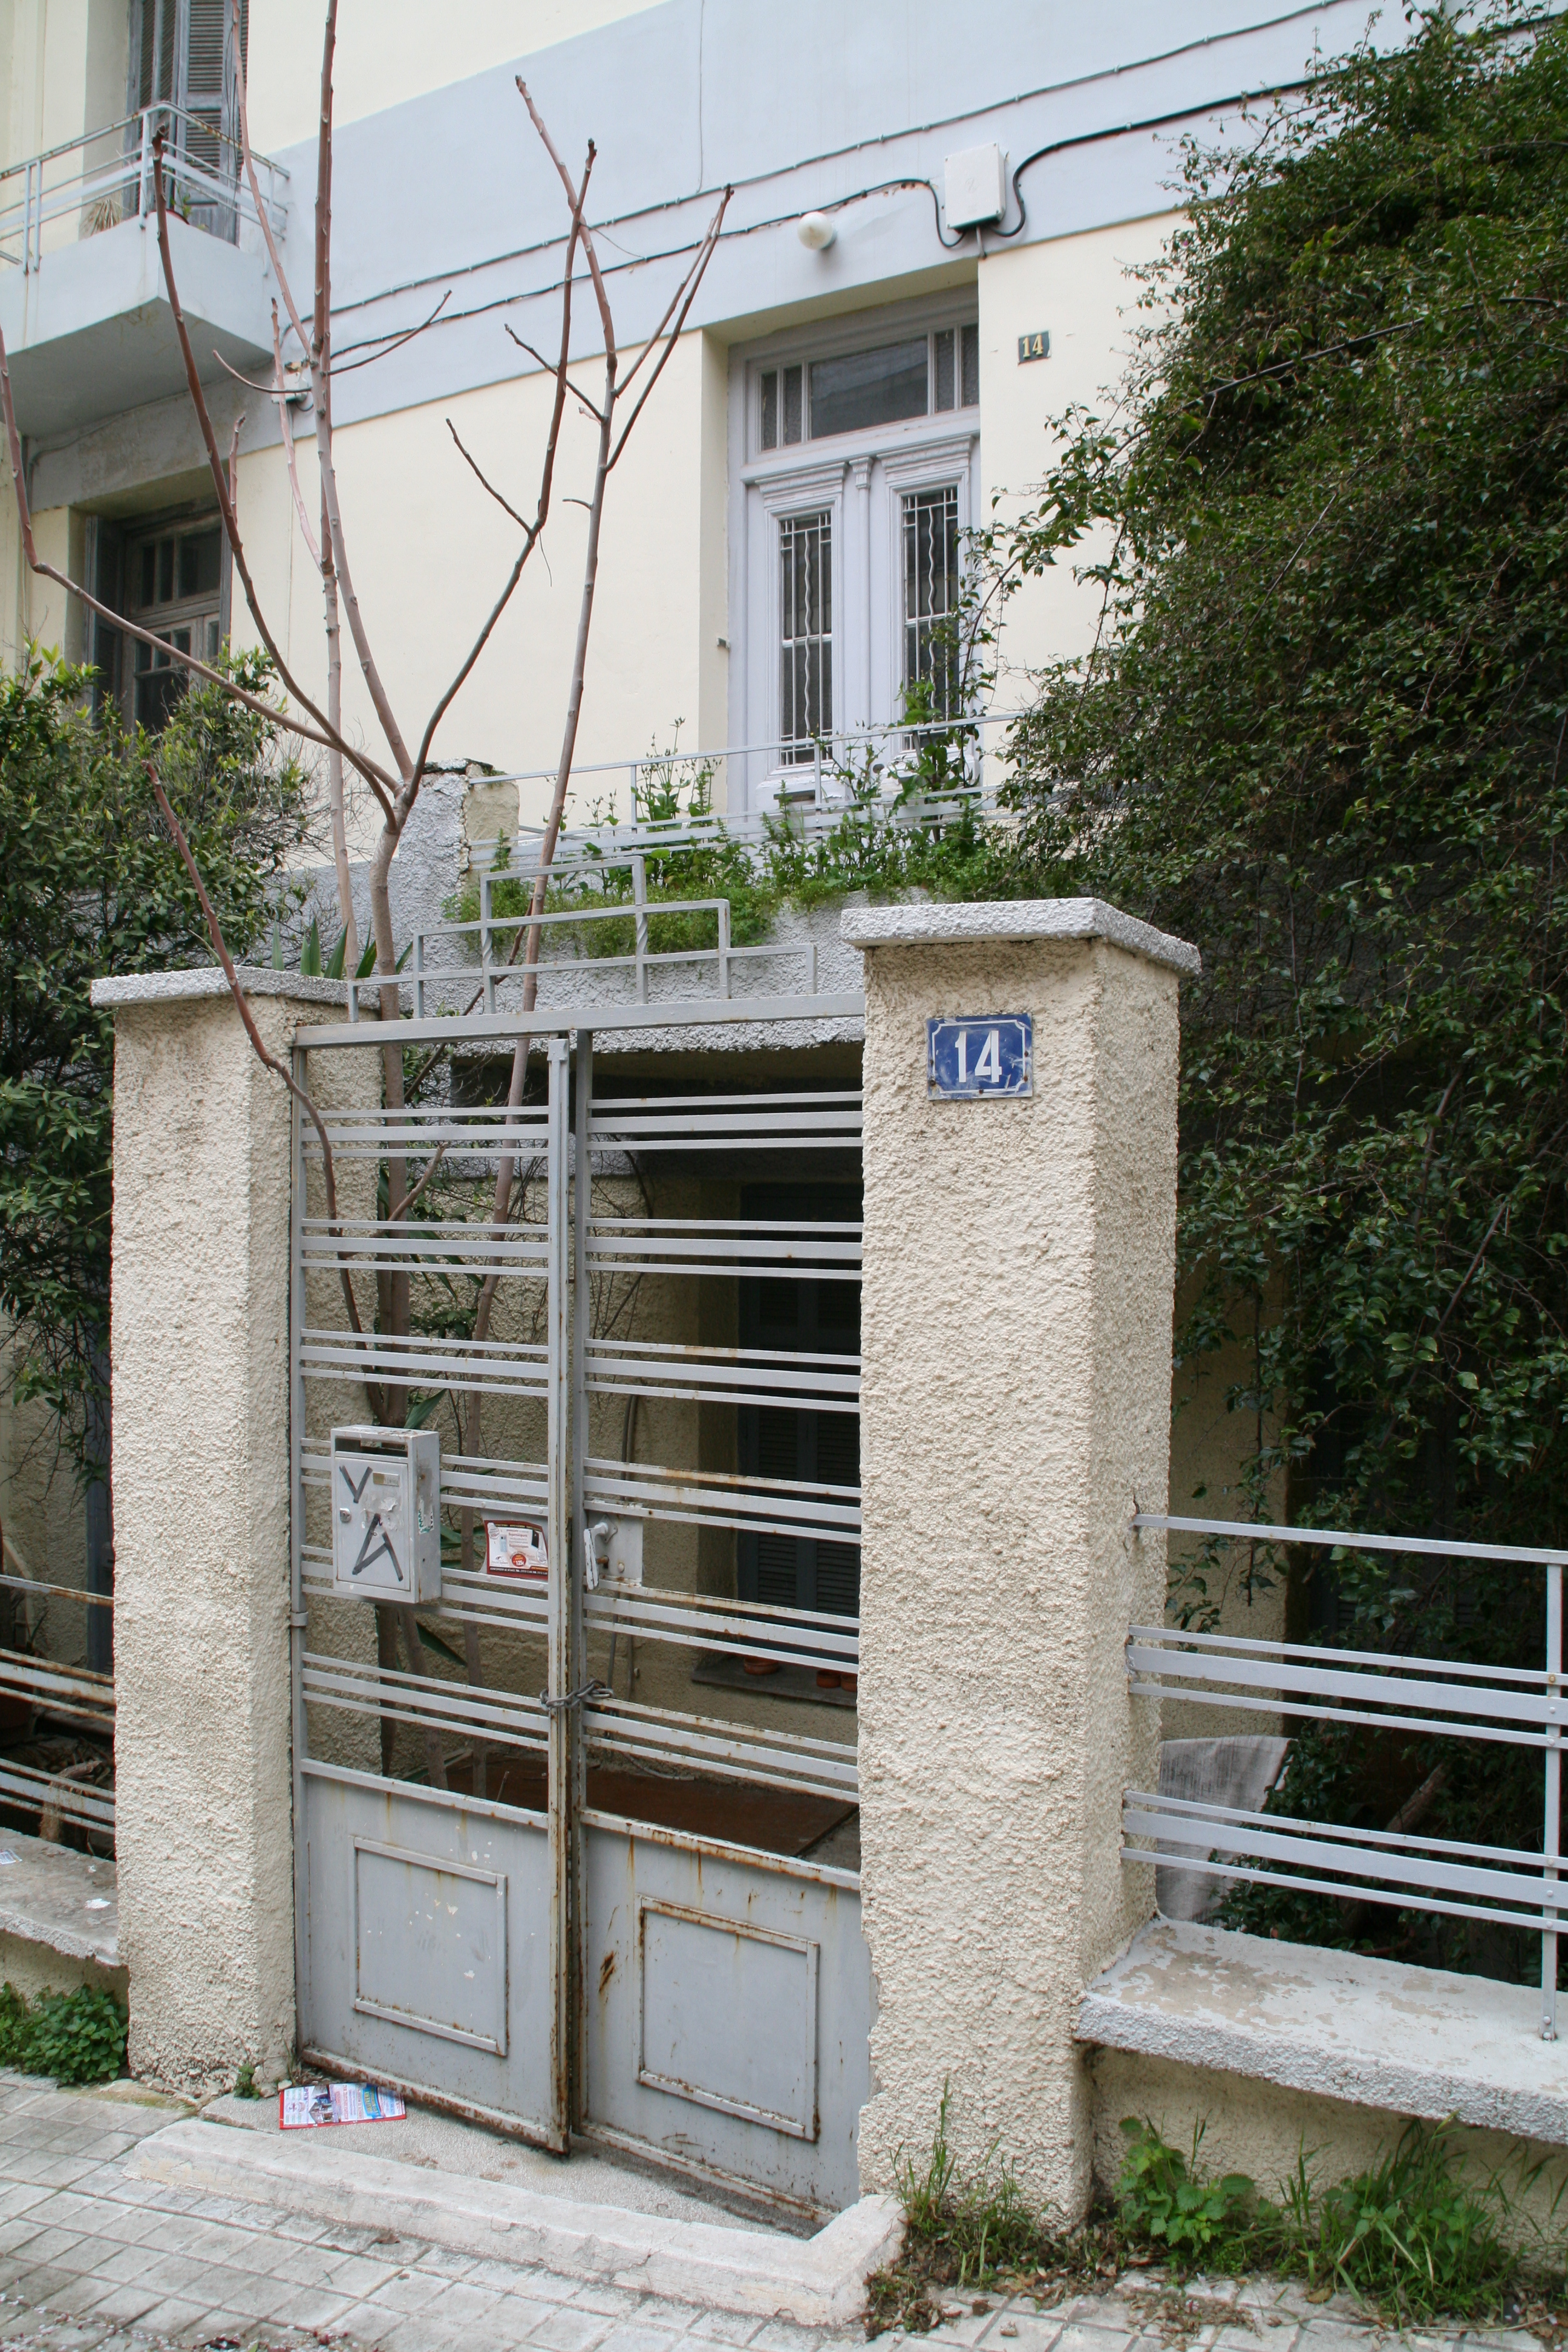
(165, 571)
(149, 575)
(971, 390)
(199, 563)
(942, 397)
(868, 388)
(805, 631)
(792, 417)
(931, 594)
(770, 430)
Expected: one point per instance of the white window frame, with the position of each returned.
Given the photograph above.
(861, 478)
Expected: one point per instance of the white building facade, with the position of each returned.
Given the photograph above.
(786, 530)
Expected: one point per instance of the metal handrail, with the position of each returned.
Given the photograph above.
(1430, 1697)
(125, 181)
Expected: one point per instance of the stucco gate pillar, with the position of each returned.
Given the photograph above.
(1015, 1341)
(199, 1354)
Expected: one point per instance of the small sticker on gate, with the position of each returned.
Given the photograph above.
(515, 1549)
(979, 1057)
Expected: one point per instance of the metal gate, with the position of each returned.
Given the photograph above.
(577, 1846)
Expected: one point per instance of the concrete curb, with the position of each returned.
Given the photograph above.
(817, 2282)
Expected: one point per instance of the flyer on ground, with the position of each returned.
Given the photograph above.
(304, 2106)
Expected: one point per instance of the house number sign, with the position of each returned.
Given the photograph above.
(979, 1056)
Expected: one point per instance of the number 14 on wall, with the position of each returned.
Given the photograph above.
(978, 1057)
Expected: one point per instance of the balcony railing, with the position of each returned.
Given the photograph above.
(93, 182)
(1418, 1697)
(886, 776)
(906, 771)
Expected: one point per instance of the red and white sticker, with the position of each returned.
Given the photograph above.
(515, 1549)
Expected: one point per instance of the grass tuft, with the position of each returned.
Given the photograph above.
(1411, 2240)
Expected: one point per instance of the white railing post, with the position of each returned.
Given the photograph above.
(1553, 1825)
(724, 947)
(639, 901)
(485, 962)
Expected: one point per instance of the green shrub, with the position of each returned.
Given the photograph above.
(1162, 2198)
(1409, 2235)
(77, 2037)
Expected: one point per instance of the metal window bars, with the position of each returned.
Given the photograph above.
(1517, 1706)
(105, 177)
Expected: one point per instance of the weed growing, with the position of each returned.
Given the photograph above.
(77, 2037)
(1411, 2240)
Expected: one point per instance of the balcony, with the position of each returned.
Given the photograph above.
(89, 329)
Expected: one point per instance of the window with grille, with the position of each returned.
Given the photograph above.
(931, 595)
(920, 375)
(805, 630)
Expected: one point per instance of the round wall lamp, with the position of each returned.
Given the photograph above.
(815, 231)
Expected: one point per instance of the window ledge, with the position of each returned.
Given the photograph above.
(1409, 2041)
(717, 1666)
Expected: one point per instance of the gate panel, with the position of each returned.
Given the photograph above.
(728, 2009)
(727, 1984)
(432, 1741)
(428, 1958)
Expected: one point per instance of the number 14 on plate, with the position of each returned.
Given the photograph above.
(979, 1056)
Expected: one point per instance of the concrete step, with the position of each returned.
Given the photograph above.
(728, 2266)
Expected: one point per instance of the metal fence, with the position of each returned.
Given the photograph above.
(1383, 1691)
(105, 177)
(45, 1692)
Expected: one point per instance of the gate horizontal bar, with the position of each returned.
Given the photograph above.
(501, 1028)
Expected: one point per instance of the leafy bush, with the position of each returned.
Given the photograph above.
(91, 884)
(77, 2037)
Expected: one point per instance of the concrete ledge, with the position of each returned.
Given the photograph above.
(926, 923)
(207, 980)
(59, 1917)
(1410, 2042)
(817, 2282)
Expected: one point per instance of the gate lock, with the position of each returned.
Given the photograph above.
(612, 1552)
(386, 1514)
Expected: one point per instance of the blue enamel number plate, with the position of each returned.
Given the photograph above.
(973, 1059)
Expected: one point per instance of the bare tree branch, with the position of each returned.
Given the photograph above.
(694, 280)
(546, 480)
(286, 427)
(575, 389)
(368, 769)
(504, 504)
(396, 344)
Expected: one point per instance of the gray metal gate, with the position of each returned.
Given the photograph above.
(577, 1852)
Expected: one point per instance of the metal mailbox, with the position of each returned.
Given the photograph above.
(386, 1514)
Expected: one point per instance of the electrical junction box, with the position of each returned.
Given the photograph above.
(386, 1514)
(974, 187)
